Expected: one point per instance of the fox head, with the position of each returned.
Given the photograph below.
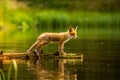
(73, 32)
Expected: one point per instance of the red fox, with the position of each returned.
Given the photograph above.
(60, 38)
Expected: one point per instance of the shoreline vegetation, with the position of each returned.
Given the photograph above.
(17, 24)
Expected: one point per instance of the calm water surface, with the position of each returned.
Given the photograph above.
(101, 61)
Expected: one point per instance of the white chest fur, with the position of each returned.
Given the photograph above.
(68, 37)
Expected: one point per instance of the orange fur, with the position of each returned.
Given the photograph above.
(60, 38)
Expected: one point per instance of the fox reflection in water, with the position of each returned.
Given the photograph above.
(53, 69)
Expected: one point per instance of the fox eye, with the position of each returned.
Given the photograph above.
(72, 34)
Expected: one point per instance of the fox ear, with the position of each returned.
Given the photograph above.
(76, 28)
(70, 29)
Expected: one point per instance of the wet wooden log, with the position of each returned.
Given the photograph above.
(33, 56)
(12, 55)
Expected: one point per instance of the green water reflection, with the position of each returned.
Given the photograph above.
(100, 61)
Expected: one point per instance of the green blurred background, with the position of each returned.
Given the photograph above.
(26, 19)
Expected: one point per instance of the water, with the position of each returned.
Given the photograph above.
(101, 61)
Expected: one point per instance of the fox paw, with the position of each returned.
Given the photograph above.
(63, 53)
(27, 57)
(56, 53)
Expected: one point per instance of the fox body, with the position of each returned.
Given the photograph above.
(59, 38)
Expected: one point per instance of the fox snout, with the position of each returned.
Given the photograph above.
(75, 37)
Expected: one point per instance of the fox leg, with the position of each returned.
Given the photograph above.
(33, 46)
(61, 48)
(39, 48)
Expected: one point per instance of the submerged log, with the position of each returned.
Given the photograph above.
(33, 56)
(11, 55)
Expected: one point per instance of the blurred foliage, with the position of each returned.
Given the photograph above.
(17, 19)
(89, 5)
